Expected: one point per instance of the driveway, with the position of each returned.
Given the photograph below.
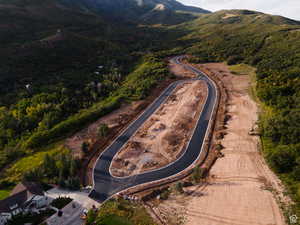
(71, 215)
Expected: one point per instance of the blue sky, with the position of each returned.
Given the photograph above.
(287, 8)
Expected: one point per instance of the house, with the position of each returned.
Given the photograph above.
(25, 197)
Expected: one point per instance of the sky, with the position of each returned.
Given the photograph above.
(287, 8)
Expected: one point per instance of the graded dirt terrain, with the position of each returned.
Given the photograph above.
(164, 135)
(237, 191)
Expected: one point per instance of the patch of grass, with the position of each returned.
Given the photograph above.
(120, 212)
(4, 193)
(115, 220)
(242, 69)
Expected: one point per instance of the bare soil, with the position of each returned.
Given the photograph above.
(238, 190)
(179, 71)
(164, 135)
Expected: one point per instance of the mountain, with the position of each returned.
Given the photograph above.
(165, 11)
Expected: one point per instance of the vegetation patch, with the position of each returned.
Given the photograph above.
(61, 202)
(120, 212)
(4, 193)
(242, 69)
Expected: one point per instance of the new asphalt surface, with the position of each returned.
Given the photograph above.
(105, 185)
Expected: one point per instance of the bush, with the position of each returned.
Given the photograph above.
(103, 130)
(61, 202)
(179, 187)
(233, 60)
(283, 159)
(198, 174)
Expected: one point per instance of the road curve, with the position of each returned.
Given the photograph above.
(105, 185)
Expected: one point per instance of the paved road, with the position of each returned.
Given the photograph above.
(106, 185)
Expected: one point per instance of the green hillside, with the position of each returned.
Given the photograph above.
(62, 68)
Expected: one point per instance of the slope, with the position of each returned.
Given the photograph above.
(272, 45)
(144, 11)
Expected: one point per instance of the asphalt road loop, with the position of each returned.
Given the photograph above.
(105, 185)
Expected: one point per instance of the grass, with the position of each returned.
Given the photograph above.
(121, 212)
(4, 193)
(242, 69)
(16, 171)
(115, 220)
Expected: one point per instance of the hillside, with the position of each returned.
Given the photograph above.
(164, 11)
(63, 67)
(272, 45)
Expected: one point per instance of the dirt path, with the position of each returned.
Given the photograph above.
(162, 138)
(238, 189)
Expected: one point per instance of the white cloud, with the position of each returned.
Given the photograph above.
(287, 8)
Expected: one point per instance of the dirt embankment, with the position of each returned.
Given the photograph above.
(164, 135)
(237, 191)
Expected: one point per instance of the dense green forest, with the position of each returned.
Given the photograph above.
(272, 45)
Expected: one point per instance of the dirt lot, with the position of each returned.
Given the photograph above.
(162, 138)
(237, 191)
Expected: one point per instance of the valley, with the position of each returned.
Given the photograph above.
(149, 107)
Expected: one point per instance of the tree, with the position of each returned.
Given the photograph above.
(49, 166)
(73, 183)
(65, 166)
(103, 130)
(283, 159)
(61, 180)
(232, 60)
(85, 147)
(198, 173)
(179, 187)
(73, 168)
(33, 175)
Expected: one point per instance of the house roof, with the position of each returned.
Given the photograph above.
(31, 187)
(13, 202)
(19, 195)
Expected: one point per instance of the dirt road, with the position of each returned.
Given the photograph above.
(238, 190)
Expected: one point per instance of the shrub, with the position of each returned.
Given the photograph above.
(233, 60)
(103, 130)
(61, 202)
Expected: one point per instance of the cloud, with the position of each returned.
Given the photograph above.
(287, 8)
